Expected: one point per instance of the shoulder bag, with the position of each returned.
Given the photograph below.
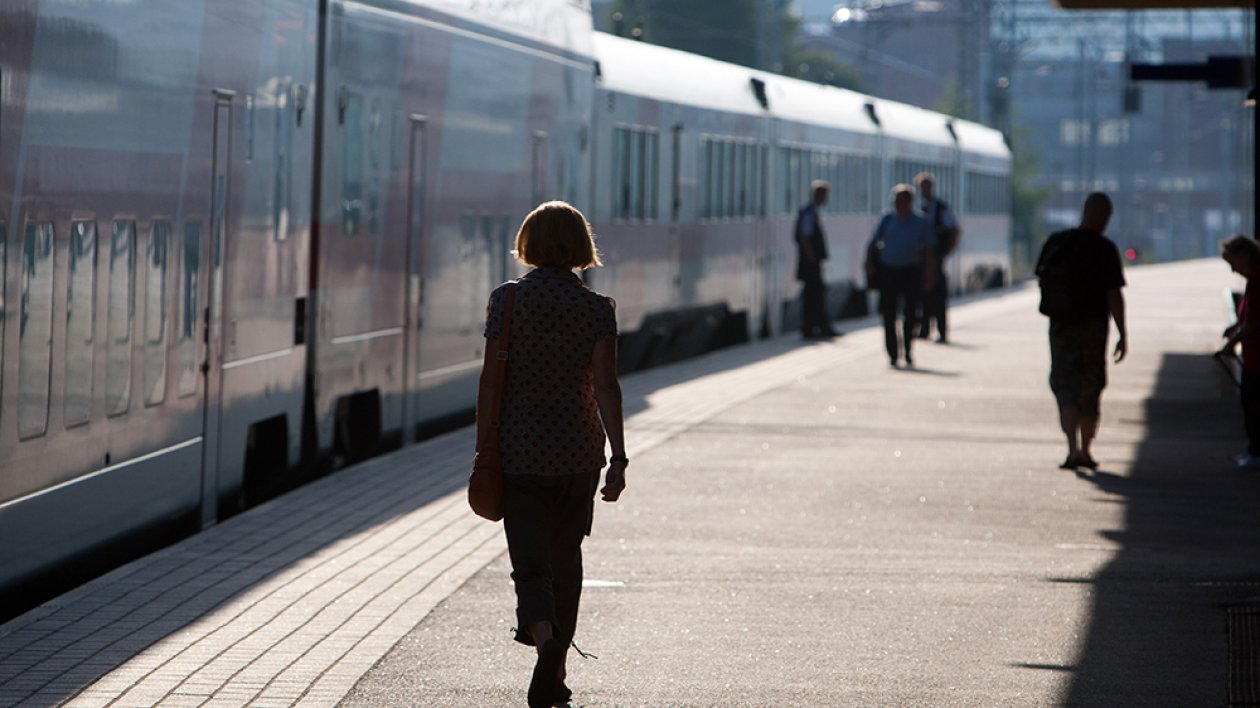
(485, 484)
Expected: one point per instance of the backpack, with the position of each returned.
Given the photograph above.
(1064, 295)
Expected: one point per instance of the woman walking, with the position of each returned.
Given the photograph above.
(560, 401)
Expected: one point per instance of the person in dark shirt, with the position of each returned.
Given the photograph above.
(1078, 340)
(1243, 256)
(945, 229)
(811, 250)
(901, 260)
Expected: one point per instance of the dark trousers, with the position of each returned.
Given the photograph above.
(813, 301)
(899, 287)
(935, 301)
(1251, 411)
(545, 519)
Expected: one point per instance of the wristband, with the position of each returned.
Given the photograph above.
(619, 458)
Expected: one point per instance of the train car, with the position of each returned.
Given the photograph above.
(154, 202)
(698, 180)
(984, 202)
(244, 241)
(679, 244)
(443, 124)
(225, 225)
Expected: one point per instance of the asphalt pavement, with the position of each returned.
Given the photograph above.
(857, 535)
(803, 526)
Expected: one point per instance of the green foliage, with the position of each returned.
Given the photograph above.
(822, 68)
(756, 33)
(1026, 201)
(722, 29)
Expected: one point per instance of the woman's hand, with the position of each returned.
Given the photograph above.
(614, 482)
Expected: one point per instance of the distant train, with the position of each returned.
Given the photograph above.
(245, 240)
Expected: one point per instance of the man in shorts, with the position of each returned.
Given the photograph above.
(1083, 268)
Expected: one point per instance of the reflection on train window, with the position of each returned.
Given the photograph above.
(80, 322)
(155, 313)
(636, 174)
(189, 293)
(352, 165)
(35, 329)
(4, 240)
(122, 266)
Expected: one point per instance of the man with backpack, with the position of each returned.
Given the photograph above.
(945, 231)
(1080, 275)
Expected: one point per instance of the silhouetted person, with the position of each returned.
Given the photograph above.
(1243, 256)
(901, 262)
(1080, 275)
(811, 251)
(945, 231)
(560, 402)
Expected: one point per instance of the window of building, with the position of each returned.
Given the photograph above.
(122, 267)
(80, 322)
(35, 329)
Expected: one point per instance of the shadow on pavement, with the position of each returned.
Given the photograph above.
(1190, 548)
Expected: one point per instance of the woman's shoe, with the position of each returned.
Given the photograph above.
(545, 681)
(563, 694)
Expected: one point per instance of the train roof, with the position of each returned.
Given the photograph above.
(808, 102)
(906, 122)
(641, 69)
(981, 140)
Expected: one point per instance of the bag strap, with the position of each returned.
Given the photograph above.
(499, 368)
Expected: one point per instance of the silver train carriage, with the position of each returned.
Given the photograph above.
(244, 242)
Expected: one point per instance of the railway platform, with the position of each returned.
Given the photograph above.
(803, 525)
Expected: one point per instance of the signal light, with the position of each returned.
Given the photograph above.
(1130, 254)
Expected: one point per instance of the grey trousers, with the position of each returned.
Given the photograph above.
(546, 518)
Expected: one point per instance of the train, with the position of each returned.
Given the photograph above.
(246, 242)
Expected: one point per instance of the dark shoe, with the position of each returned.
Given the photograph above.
(892, 361)
(909, 362)
(942, 339)
(1069, 463)
(1084, 460)
(543, 684)
(563, 694)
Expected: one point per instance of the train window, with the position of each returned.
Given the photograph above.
(80, 322)
(635, 188)
(189, 320)
(675, 206)
(35, 329)
(352, 165)
(653, 173)
(155, 313)
(4, 240)
(122, 266)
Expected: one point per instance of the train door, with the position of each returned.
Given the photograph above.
(416, 194)
(213, 255)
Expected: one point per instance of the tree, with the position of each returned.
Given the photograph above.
(1026, 200)
(822, 68)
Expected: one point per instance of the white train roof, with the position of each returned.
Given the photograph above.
(981, 140)
(808, 102)
(641, 69)
(906, 122)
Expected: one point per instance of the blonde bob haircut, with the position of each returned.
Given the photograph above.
(556, 235)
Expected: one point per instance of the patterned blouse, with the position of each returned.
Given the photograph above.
(550, 422)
